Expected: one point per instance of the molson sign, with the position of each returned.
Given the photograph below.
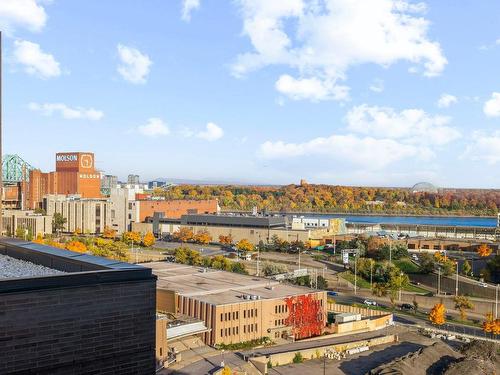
(75, 161)
(66, 157)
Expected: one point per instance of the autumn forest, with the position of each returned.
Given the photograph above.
(328, 198)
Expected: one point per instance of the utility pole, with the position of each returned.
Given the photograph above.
(439, 280)
(390, 251)
(456, 283)
(371, 274)
(355, 274)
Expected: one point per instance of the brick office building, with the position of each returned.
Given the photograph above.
(97, 317)
(75, 174)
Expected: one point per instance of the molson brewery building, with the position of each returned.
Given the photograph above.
(75, 174)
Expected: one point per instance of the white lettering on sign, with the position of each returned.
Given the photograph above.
(66, 157)
(86, 175)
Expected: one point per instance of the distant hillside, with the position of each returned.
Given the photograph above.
(328, 198)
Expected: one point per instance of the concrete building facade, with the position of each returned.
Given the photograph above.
(238, 308)
(85, 215)
(28, 220)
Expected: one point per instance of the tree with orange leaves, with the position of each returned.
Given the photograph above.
(109, 233)
(149, 239)
(203, 237)
(183, 235)
(491, 325)
(226, 240)
(39, 239)
(438, 314)
(77, 246)
(484, 250)
(132, 237)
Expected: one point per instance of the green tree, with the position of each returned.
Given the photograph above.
(322, 283)
(58, 222)
(238, 267)
(462, 303)
(427, 263)
(466, 268)
(298, 358)
(270, 269)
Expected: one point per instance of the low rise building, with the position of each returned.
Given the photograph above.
(238, 308)
(33, 223)
(86, 215)
(175, 208)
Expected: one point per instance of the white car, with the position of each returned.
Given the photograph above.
(370, 303)
(484, 285)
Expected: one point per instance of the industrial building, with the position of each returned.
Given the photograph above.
(75, 174)
(252, 228)
(82, 314)
(175, 208)
(238, 308)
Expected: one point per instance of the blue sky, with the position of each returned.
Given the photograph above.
(356, 92)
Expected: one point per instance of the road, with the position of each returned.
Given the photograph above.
(407, 319)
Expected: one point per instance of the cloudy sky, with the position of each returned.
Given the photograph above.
(358, 92)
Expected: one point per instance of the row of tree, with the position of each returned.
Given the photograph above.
(327, 198)
(186, 255)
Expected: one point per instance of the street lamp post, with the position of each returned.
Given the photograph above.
(400, 284)
(456, 282)
(371, 273)
(439, 281)
(355, 273)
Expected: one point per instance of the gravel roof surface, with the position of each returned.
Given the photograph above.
(12, 268)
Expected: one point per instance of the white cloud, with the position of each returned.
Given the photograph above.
(211, 133)
(311, 88)
(369, 152)
(134, 65)
(491, 107)
(189, 6)
(411, 125)
(154, 127)
(323, 39)
(445, 100)
(484, 147)
(21, 13)
(377, 85)
(35, 61)
(70, 113)
(376, 138)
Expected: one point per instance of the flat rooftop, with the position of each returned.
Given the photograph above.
(219, 287)
(11, 267)
(26, 266)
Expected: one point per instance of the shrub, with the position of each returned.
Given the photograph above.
(298, 358)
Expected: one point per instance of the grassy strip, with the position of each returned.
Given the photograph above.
(349, 276)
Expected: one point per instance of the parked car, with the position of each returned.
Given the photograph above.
(414, 257)
(484, 285)
(406, 306)
(369, 302)
(332, 294)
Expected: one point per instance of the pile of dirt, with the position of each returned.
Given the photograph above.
(434, 359)
(479, 358)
